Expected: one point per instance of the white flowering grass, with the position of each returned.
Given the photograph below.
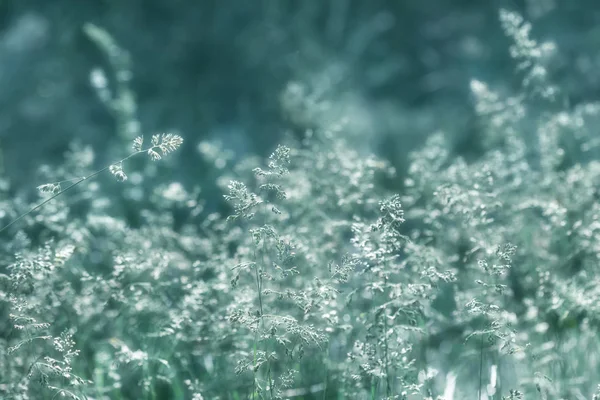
(478, 280)
(160, 146)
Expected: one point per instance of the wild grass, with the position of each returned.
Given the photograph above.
(478, 280)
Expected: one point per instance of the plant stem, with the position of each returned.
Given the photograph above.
(480, 368)
(69, 188)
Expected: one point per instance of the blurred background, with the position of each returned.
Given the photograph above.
(228, 71)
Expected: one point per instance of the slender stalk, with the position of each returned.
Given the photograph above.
(79, 181)
(260, 320)
(480, 368)
(326, 377)
(260, 288)
(388, 387)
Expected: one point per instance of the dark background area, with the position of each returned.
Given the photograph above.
(216, 70)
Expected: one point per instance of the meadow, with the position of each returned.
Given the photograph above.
(324, 273)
